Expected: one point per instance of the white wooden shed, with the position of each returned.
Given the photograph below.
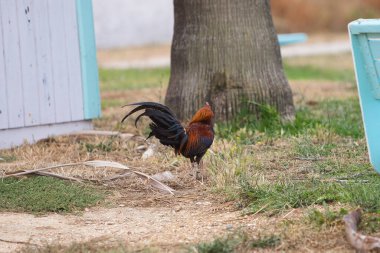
(48, 71)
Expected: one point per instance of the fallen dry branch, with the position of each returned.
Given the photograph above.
(360, 242)
(312, 159)
(49, 174)
(17, 242)
(26, 172)
(95, 164)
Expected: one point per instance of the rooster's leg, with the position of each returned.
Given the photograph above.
(192, 170)
(196, 167)
(199, 167)
(201, 171)
(195, 170)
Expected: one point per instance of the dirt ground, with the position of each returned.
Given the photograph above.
(167, 226)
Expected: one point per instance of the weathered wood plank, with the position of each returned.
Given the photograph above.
(28, 61)
(59, 61)
(3, 90)
(13, 80)
(73, 59)
(45, 81)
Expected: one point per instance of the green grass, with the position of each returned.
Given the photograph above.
(7, 158)
(219, 245)
(237, 242)
(315, 73)
(304, 147)
(245, 126)
(108, 103)
(124, 79)
(370, 223)
(341, 117)
(278, 196)
(266, 242)
(44, 194)
(326, 217)
(327, 133)
(102, 146)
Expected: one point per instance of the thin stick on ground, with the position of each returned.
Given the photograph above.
(308, 158)
(17, 242)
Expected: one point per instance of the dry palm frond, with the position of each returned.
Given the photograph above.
(95, 164)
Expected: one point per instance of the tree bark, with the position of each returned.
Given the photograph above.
(226, 52)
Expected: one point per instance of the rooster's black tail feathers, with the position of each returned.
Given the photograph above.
(164, 126)
(148, 105)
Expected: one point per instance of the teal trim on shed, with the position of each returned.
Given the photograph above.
(90, 78)
(364, 26)
(291, 38)
(365, 41)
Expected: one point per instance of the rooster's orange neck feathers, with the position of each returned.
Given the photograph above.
(203, 115)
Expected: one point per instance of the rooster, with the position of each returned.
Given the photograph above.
(191, 142)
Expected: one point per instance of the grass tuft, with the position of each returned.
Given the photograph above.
(370, 223)
(44, 194)
(340, 117)
(308, 72)
(266, 242)
(276, 197)
(327, 217)
(103, 146)
(237, 242)
(219, 245)
(7, 158)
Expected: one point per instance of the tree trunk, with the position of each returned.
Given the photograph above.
(226, 52)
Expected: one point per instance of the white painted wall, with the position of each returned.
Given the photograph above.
(40, 72)
(122, 23)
